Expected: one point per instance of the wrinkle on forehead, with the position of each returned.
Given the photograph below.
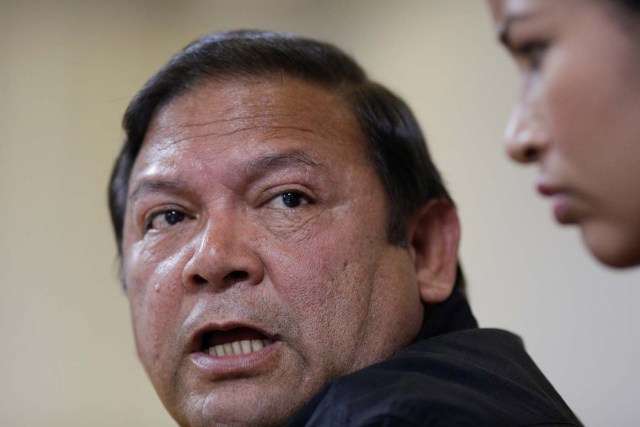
(267, 106)
(240, 129)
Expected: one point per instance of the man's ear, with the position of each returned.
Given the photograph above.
(434, 235)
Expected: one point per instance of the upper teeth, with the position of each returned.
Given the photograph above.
(238, 347)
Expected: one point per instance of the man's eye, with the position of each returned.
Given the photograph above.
(164, 219)
(290, 200)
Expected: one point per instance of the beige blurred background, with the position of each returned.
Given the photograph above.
(67, 72)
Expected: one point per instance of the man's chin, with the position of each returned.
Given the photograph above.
(240, 407)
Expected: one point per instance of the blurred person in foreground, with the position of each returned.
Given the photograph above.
(578, 113)
(289, 251)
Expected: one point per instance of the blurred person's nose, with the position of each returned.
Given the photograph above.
(525, 136)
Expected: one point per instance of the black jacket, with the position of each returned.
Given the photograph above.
(455, 374)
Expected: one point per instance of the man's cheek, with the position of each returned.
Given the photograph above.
(154, 310)
(309, 275)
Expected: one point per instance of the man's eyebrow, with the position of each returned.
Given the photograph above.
(278, 161)
(253, 168)
(155, 187)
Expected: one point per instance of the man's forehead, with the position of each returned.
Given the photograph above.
(255, 112)
(242, 104)
(252, 119)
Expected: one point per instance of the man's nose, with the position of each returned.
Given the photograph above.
(222, 257)
(525, 136)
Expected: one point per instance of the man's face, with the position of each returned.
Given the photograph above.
(255, 252)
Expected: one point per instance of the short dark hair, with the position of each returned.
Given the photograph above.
(626, 12)
(631, 5)
(395, 142)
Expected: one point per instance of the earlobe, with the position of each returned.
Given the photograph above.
(434, 237)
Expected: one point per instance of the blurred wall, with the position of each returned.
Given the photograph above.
(67, 72)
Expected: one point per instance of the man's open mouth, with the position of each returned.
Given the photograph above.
(233, 342)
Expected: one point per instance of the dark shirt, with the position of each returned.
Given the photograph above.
(454, 374)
